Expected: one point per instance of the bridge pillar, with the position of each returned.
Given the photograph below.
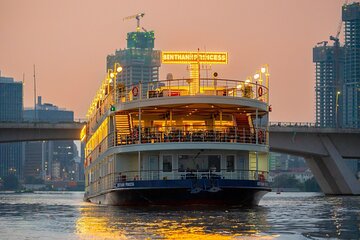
(331, 172)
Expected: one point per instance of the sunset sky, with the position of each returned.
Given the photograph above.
(69, 40)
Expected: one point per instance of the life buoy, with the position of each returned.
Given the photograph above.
(260, 91)
(135, 91)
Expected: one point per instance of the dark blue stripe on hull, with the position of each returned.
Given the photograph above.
(183, 192)
(180, 196)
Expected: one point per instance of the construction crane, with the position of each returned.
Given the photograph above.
(324, 43)
(138, 17)
(336, 38)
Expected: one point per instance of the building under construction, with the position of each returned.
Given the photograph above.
(139, 61)
(329, 77)
(337, 74)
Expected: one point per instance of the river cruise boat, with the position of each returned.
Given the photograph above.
(178, 141)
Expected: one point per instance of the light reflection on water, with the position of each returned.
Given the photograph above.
(284, 216)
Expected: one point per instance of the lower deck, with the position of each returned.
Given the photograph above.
(173, 167)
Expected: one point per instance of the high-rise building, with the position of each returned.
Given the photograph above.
(329, 78)
(337, 77)
(11, 110)
(139, 61)
(49, 155)
(351, 87)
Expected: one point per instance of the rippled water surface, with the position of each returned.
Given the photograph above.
(54, 215)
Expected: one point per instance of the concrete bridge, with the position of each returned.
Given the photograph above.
(39, 131)
(324, 149)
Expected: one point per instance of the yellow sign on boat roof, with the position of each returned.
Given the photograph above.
(178, 57)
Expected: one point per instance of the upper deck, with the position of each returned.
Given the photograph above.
(171, 111)
(212, 91)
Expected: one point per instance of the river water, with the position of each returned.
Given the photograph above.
(63, 215)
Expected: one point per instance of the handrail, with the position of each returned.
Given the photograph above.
(151, 135)
(98, 182)
(177, 174)
(180, 134)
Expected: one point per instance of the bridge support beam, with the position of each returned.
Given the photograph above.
(326, 151)
(331, 172)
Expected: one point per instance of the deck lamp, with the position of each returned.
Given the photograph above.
(112, 108)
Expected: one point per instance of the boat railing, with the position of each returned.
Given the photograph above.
(178, 87)
(178, 134)
(294, 124)
(189, 87)
(178, 174)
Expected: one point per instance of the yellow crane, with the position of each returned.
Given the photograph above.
(137, 17)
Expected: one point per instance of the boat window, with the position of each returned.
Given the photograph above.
(230, 160)
(167, 163)
(199, 162)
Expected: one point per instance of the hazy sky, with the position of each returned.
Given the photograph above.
(69, 40)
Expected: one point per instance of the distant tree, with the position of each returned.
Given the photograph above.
(33, 180)
(11, 182)
(286, 181)
(311, 185)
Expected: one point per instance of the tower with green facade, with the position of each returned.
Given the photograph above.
(140, 62)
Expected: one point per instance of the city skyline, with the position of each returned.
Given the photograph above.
(70, 47)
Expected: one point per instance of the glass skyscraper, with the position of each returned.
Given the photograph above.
(351, 87)
(329, 77)
(44, 159)
(11, 110)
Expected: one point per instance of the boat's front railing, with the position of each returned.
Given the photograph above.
(127, 178)
(185, 87)
(178, 174)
